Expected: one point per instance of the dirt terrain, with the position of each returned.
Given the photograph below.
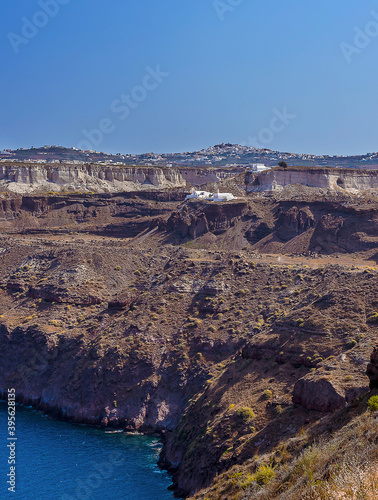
(228, 327)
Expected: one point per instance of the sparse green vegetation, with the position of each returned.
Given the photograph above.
(264, 474)
(351, 343)
(279, 410)
(373, 318)
(267, 394)
(300, 322)
(194, 323)
(373, 403)
(245, 414)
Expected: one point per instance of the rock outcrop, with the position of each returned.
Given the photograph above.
(324, 393)
(294, 221)
(194, 221)
(324, 178)
(202, 176)
(372, 369)
(72, 381)
(288, 227)
(318, 394)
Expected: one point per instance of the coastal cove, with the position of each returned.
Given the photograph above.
(64, 461)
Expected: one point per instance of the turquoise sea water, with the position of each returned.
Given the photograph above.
(61, 461)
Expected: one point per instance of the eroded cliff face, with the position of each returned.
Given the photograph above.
(202, 176)
(352, 180)
(193, 221)
(36, 178)
(80, 381)
(279, 226)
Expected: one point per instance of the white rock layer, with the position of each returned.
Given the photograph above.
(344, 179)
(98, 178)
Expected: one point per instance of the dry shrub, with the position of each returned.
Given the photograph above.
(354, 481)
(341, 467)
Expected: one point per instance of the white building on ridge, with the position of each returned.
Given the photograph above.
(223, 196)
(199, 195)
(259, 167)
(205, 195)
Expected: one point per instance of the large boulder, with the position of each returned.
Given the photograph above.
(319, 393)
(213, 288)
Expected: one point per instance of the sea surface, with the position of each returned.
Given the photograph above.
(62, 461)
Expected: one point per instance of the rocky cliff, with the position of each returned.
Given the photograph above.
(35, 178)
(351, 180)
(280, 226)
(84, 381)
(372, 369)
(202, 176)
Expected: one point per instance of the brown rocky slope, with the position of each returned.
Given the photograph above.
(132, 312)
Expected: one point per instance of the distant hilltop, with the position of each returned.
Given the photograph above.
(220, 155)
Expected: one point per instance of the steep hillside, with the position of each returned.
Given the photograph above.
(335, 458)
(141, 311)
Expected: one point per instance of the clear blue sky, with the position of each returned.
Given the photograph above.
(225, 68)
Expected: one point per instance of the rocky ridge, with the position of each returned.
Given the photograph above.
(349, 180)
(23, 178)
